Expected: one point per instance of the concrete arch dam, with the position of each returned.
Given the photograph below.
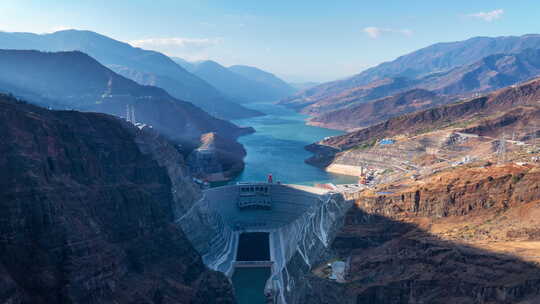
(284, 227)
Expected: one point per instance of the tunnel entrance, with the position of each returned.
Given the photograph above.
(253, 246)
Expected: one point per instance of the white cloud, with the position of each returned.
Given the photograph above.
(376, 32)
(60, 28)
(187, 48)
(488, 16)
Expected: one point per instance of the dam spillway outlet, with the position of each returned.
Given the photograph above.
(253, 246)
(264, 225)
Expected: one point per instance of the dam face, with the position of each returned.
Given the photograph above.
(254, 225)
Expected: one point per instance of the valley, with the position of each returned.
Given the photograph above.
(251, 154)
(277, 147)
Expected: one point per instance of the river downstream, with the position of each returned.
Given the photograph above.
(277, 147)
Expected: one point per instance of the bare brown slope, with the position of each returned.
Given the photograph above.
(88, 209)
(369, 113)
(468, 236)
(446, 67)
(499, 101)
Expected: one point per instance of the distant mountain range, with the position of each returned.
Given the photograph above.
(74, 80)
(304, 85)
(457, 69)
(489, 73)
(241, 83)
(145, 67)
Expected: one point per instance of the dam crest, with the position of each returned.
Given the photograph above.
(265, 225)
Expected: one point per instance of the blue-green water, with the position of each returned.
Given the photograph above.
(277, 147)
(249, 284)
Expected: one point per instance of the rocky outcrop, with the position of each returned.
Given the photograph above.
(89, 205)
(217, 158)
(457, 193)
(465, 236)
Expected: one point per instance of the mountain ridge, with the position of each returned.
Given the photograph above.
(243, 83)
(134, 62)
(430, 64)
(78, 81)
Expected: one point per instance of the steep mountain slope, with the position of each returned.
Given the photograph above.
(420, 68)
(374, 90)
(369, 113)
(447, 210)
(242, 83)
(146, 67)
(490, 73)
(89, 204)
(76, 80)
(470, 235)
(464, 112)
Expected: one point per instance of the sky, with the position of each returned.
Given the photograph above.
(297, 40)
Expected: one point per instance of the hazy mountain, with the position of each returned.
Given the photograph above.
(75, 80)
(280, 88)
(320, 102)
(242, 83)
(432, 60)
(303, 85)
(143, 66)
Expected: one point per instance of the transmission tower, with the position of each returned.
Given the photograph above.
(130, 113)
(501, 150)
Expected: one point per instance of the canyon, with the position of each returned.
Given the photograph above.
(432, 196)
(89, 204)
(111, 214)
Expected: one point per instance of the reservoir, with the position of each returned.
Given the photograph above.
(277, 147)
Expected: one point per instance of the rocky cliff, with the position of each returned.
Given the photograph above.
(463, 236)
(217, 158)
(89, 205)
